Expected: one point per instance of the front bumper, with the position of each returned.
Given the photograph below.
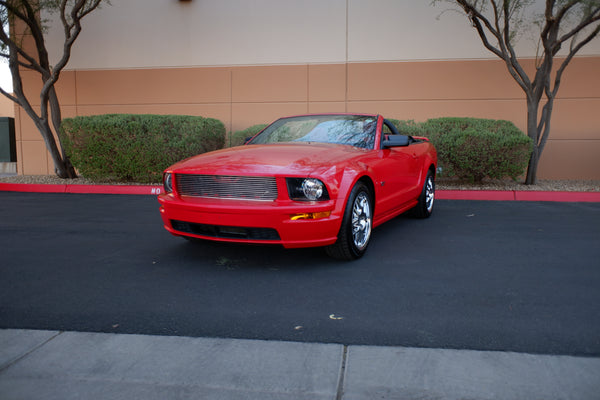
(251, 221)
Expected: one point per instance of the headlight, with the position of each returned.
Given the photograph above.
(168, 182)
(312, 189)
(307, 189)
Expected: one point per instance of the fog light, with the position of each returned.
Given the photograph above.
(316, 215)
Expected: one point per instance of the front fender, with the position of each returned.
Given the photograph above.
(340, 182)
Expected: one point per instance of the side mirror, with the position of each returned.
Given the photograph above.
(396, 141)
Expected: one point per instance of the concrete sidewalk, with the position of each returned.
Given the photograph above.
(71, 365)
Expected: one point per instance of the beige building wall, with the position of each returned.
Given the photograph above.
(248, 62)
(7, 107)
(172, 33)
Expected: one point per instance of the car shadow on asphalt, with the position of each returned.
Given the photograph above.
(234, 256)
(198, 253)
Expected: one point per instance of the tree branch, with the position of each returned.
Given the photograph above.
(508, 46)
(593, 17)
(9, 95)
(572, 54)
(72, 31)
(506, 51)
(14, 47)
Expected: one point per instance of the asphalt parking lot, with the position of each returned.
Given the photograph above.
(478, 275)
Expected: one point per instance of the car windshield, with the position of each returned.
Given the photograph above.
(353, 130)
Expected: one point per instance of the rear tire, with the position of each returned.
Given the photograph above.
(425, 206)
(357, 225)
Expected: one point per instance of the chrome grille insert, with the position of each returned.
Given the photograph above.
(256, 188)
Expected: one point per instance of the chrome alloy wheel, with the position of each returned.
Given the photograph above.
(361, 221)
(429, 194)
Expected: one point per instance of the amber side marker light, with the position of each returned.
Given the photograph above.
(316, 215)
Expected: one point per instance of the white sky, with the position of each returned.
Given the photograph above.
(5, 78)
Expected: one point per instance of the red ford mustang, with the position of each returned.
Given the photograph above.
(310, 180)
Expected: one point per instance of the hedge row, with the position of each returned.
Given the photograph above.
(474, 149)
(136, 148)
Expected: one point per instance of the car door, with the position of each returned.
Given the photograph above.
(398, 171)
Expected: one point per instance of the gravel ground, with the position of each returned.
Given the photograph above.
(54, 180)
(442, 184)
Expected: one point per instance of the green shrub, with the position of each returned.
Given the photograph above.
(474, 155)
(136, 148)
(434, 128)
(239, 137)
(474, 149)
(408, 127)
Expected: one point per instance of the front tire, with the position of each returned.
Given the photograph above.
(357, 225)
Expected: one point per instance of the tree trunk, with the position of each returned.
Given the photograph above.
(67, 171)
(531, 178)
(532, 132)
(62, 166)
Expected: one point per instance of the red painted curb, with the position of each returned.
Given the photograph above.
(91, 189)
(593, 197)
(525, 195)
(492, 195)
(496, 195)
(116, 189)
(36, 188)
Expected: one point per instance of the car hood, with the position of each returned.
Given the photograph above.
(300, 159)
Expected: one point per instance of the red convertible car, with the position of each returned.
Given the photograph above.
(309, 180)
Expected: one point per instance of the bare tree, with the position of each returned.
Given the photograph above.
(25, 19)
(564, 23)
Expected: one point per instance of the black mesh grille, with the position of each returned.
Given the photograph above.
(229, 232)
(227, 186)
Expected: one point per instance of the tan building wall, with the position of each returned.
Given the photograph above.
(243, 96)
(252, 62)
(7, 107)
